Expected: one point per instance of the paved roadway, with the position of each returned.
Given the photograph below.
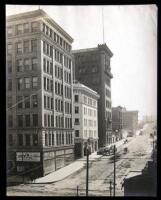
(100, 173)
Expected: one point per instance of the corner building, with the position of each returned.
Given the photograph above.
(85, 119)
(39, 94)
(92, 68)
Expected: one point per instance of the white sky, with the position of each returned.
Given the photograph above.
(131, 34)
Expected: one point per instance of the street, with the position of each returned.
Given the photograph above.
(100, 173)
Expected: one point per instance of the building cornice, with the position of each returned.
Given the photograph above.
(39, 13)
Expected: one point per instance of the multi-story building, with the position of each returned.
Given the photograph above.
(85, 119)
(117, 121)
(92, 68)
(39, 93)
(130, 120)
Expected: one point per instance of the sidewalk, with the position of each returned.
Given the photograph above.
(67, 170)
(71, 168)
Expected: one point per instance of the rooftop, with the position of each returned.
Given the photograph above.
(36, 13)
(99, 47)
(78, 85)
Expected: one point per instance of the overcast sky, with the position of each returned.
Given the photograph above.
(131, 34)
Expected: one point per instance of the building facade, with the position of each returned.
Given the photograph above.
(85, 119)
(117, 121)
(39, 94)
(130, 121)
(92, 68)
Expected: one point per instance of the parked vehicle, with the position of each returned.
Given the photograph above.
(100, 151)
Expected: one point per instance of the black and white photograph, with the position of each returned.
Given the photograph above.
(81, 100)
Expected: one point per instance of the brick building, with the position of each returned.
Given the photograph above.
(85, 119)
(130, 120)
(39, 94)
(92, 68)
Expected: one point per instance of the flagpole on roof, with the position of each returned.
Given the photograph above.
(103, 25)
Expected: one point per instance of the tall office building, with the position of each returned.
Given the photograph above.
(39, 94)
(92, 68)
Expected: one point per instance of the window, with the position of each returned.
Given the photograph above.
(51, 68)
(27, 120)
(10, 121)
(20, 84)
(44, 83)
(47, 66)
(20, 120)
(44, 101)
(27, 102)
(45, 120)
(19, 47)
(44, 64)
(51, 103)
(34, 26)
(51, 85)
(47, 84)
(76, 109)
(33, 45)
(9, 84)
(76, 121)
(76, 133)
(51, 32)
(34, 82)
(34, 64)
(27, 136)
(9, 101)
(52, 120)
(76, 98)
(51, 51)
(49, 139)
(53, 139)
(26, 46)
(35, 119)
(46, 139)
(20, 139)
(34, 101)
(9, 31)
(27, 83)
(26, 27)
(10, 140)
(48, 120)
(48, 102)
(19, 29)
(19, 100)
(19, 65)
(27, 64)
(9, 48)
(35, 139)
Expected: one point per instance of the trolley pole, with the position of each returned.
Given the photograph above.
(114, 177)
(87, 171)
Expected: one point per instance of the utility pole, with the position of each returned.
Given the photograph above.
(77, 191)
(87, 153)
(114, 175)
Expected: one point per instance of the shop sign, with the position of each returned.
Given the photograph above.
(28, 156)
(49, 155)
(67, 151)
(59, 152)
